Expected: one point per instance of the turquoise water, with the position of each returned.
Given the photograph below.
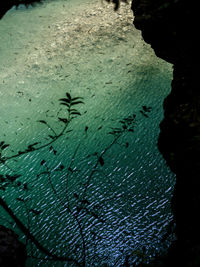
(84, 48)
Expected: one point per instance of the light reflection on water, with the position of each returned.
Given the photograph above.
(126, 206)
(131, 204)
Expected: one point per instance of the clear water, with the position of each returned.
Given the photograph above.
(84, 48)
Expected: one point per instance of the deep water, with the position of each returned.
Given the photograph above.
(122, 199)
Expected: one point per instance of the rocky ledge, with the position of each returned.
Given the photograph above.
(171, 29)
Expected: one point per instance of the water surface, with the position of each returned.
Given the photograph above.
(123, 202)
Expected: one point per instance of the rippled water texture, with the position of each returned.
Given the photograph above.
(122, 199)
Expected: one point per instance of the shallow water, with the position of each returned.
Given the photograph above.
(86, 49)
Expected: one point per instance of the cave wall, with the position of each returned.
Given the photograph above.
(171, 29)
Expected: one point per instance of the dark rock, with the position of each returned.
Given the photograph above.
(171, 27)
(12, 251)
